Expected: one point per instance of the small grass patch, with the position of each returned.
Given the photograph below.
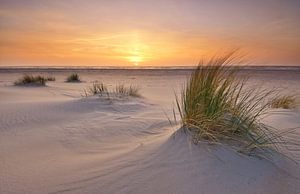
(216, 107)
(31, 80)
(132, 90)
(96, 89)
(74, 77)
(50, 78)
(286, 102)
(120, 90)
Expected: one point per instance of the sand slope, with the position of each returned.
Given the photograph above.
(54, 141)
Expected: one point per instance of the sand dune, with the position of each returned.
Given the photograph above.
(54, 141)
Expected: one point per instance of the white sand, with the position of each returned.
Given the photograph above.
(54, 141)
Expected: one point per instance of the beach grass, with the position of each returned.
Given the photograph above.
(27, 80)
(120, 90)
(97, 88)
(216, 107)
(131, 90)
(285, 102)
(74, 77)
(50, 78)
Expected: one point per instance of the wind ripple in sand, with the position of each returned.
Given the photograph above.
(169, 165)
(45, 144)
(95, 145)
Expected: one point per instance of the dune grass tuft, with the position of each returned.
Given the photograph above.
(31, 80)
(286, 102)
(132, 90)
(120, 90)
(216, 107)
(74, 77)
(50, 78)
(98, 88)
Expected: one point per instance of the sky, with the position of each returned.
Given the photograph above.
(147, 33)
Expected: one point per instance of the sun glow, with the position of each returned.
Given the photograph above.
(135, 54)
(135, 59)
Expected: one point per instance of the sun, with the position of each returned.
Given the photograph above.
(136, 52)
(135, 59)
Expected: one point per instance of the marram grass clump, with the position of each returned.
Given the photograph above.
(285, 102)
(50, 78)
(98, 88)
(120, 90)
(74, 77)
(30, 80)
(132, 90)
(216, 107)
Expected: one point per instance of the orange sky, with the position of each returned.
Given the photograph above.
(140, 32)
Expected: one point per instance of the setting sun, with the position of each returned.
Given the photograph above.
(135, 56)
(135, 59)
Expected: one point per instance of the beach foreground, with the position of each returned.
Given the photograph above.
(52, 140)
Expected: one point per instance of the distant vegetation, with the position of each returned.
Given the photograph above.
(74, 77)
(216, 107)
(98, 88)
(50, 78)
(31, 80)
(286, 102)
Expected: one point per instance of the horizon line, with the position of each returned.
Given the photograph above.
(190, 67)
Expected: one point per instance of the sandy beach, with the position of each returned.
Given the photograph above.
(149, 97)
(52, 140)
